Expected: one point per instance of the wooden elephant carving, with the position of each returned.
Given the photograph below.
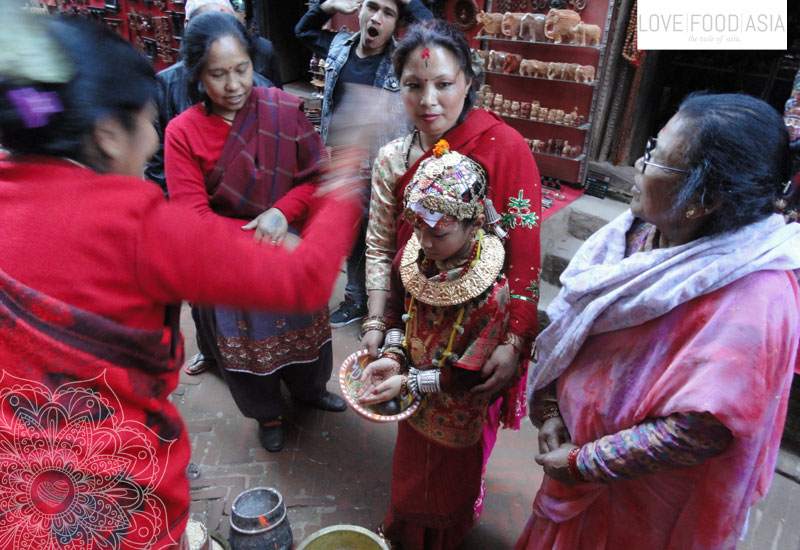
(558, 25)
(512, 63)
(510, 24)
(491, 23)
(555, 69)
(496, 60)
(532, 27)
(585, 73)
(581, 33)
(569, 71)
(533, 67)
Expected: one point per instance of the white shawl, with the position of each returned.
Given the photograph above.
(603, 291)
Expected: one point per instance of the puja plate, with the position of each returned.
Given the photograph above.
(350, 383)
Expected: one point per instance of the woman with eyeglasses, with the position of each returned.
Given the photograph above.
(661, 384)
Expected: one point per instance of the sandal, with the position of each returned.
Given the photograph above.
(197, 364)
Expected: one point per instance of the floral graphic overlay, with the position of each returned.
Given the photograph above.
(75, 473)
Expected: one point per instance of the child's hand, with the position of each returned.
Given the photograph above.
(383, 391)
(376, 373)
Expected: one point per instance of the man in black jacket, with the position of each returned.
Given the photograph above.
(363, 57)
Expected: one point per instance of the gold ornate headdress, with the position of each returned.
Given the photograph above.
(445, 184)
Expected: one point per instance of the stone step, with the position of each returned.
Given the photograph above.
(556, 255)
(547, 293)
(588, 214)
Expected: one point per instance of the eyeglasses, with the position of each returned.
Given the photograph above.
(651, 144)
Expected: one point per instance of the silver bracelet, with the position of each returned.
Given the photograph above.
(394, 337)
(428, 381)
(413, 382)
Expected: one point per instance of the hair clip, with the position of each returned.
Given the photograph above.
(34, 106)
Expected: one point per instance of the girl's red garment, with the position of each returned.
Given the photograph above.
(439, 457)
(86, 260)
(515, 191)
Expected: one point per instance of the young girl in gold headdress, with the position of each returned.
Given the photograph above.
(447, 311)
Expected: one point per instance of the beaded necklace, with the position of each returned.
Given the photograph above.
(410, 315)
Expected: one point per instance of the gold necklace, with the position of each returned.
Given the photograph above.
(447, 293)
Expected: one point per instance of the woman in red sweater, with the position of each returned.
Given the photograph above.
(93, 266)
(240, 154)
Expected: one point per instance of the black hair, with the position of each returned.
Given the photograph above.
(438, 33)
(111, 79)
(201, 33)
(738, 156)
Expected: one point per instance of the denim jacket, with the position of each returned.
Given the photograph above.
(336, 48)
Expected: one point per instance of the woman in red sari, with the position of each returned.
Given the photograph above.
(437, 85)
(93, 267)
(242, 153)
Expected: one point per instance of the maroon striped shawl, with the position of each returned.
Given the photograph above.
(270, 149)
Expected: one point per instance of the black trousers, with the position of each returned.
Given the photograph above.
(258, 396)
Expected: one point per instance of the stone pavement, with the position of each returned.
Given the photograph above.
(335, 467)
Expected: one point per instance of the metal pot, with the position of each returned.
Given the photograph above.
(258, 520)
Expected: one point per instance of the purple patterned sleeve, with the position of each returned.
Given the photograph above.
(680, 439)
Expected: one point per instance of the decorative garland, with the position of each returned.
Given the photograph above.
(630, 49)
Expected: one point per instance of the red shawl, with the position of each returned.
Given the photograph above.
(516, 194)
(92, 455)
(267, 153)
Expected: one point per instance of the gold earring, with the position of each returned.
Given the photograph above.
(690, 213)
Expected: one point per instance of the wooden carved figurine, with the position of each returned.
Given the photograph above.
(556, 116)
(555, 69)
(558, 25)
(526, 67)
(585, 73)
(532, 27)
(542, 114)
(569, 71)
(497, 106)
(583, 32)
(572, 118)
(496, 60)
(510, 24)
(512, 63)
(491, 23)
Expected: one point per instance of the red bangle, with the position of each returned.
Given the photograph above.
(572, 465)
